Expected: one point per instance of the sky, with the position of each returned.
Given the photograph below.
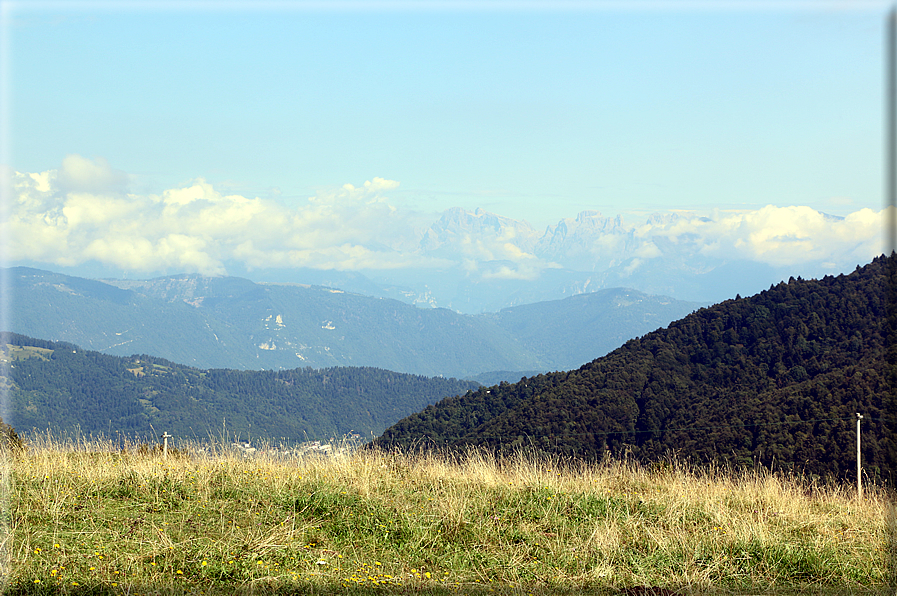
(155, 135)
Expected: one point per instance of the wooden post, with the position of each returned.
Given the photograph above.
(165, 437)
(859, 464)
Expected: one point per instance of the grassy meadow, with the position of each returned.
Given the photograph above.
(86, 518)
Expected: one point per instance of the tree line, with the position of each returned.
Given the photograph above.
(66, 389)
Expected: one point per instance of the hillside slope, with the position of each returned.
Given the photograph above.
(775, 378)
(63, 388)
(229, 322)
(567, 333)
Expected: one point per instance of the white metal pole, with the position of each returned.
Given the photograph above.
(859, 464)
(165, 437)
(891, 132)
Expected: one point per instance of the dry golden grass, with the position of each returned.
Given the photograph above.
(86, 517)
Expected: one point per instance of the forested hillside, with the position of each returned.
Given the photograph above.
(776, 378)
(58, 386)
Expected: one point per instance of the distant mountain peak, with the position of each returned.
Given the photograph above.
(457, 226)
(583, 215)
(663, 219)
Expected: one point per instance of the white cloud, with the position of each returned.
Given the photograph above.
(525, 272)
(42, 181)
(783, 236)
(97, 176)
(82, 209)
(82, 212)
(632, 266)
(648, 250)
(380, 184)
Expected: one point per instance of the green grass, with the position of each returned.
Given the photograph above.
(87, 519)
(16, 353)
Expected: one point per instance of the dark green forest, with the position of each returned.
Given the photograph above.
(58, 386)
(775, 379)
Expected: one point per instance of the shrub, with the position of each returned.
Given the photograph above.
(10, 441)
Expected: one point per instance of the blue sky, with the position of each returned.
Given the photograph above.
(156, 137)
(532, 113)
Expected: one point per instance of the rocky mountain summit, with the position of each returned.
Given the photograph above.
(490, 262)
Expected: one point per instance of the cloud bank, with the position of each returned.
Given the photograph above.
(780, 236)
(82, 212)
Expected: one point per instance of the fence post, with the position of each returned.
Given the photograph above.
(165, 437)
(859, 464)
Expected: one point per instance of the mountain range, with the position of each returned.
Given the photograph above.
(228, 322)
(478, 262)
